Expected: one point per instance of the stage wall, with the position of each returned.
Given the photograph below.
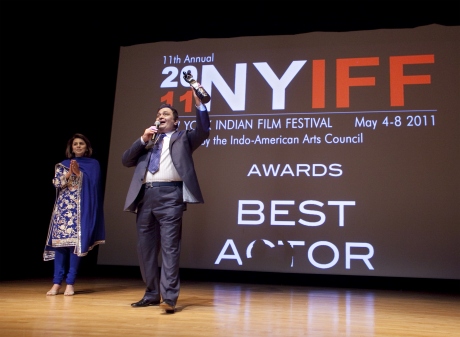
(330, 152)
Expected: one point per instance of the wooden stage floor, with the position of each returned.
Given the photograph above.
(101, 307)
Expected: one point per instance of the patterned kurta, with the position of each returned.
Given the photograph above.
(77, 219)
(65, 218)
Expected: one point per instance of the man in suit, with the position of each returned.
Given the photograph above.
(159, 197)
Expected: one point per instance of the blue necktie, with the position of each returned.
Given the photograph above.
(154, 163)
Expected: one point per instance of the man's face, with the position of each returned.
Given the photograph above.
(166, 118)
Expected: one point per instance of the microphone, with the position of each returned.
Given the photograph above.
(155, 138)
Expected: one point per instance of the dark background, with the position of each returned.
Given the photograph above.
(58, 75)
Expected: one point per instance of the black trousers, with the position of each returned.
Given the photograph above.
(159, 228)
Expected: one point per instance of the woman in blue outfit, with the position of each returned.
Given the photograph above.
(77, 221)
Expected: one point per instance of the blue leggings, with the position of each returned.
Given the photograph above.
(65, 262)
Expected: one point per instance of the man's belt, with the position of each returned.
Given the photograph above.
(162, 183)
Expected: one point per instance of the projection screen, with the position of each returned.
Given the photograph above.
(330, 152)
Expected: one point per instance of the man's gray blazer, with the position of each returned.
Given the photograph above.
(182, 145)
